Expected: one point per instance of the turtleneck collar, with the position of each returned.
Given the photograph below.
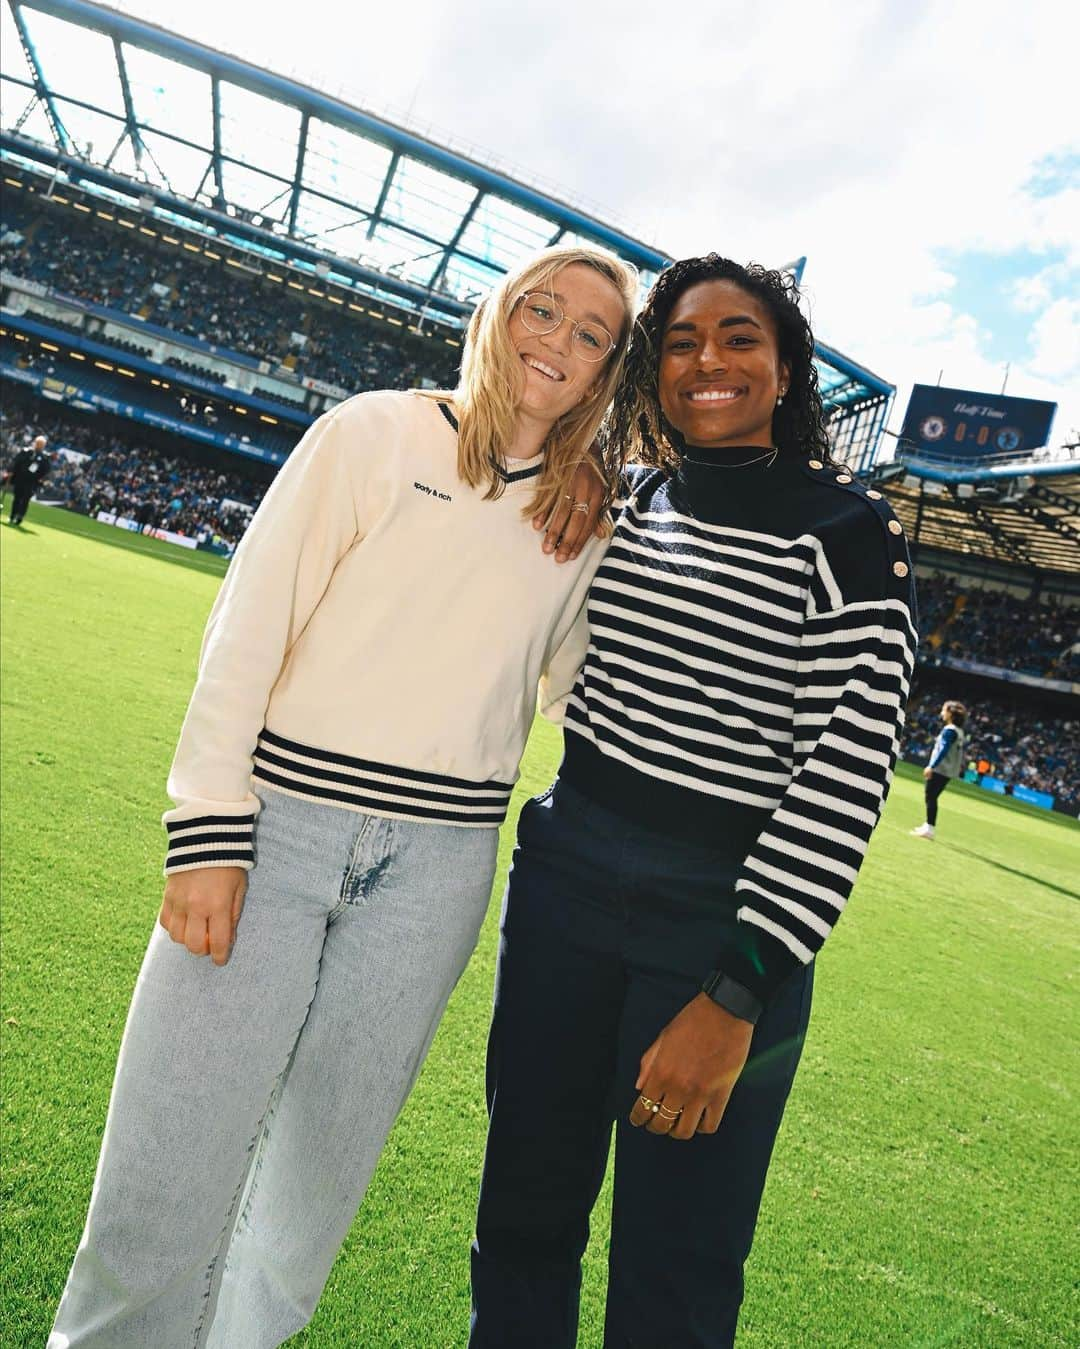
(730, 456)
(744, 483)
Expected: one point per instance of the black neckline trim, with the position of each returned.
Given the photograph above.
(521, 475)
(505, 475)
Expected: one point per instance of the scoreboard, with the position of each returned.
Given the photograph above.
(960, 424)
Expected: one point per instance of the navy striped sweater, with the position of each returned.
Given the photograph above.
(751, 644)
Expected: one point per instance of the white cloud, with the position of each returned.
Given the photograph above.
(1031, 293)
(936, 283)
(1034, 293)
(1055, 341)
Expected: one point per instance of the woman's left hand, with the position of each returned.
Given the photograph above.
(690, 1070)
(927, 773)
(569, 527)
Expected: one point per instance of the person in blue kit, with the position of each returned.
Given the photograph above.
(730, 740)
(946, 763)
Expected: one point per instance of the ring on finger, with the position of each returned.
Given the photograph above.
(580, 506)
(647, 1104)
(668, 1114)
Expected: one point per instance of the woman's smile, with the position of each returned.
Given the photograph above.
(714, 393)
(547, 371)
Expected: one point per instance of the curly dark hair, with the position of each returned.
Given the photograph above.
(638, 430)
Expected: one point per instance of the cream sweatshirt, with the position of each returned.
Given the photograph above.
(377, 642)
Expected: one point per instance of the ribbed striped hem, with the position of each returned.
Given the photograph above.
(210, 841)
(377, 788)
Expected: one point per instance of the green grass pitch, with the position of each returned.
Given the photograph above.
(924, 1190)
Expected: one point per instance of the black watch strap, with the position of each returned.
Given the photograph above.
(732, 997)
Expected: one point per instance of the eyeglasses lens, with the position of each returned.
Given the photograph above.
(541, 314)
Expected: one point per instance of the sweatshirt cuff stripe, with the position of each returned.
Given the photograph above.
(210, 841)
(224, 824)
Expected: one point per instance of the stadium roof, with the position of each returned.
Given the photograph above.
(144, 103)
(133, 111)
(1029, 520)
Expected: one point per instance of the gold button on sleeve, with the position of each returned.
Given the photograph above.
(843, 477)
(816, 463)
(895, 527)
(874, 496)
(900, 568)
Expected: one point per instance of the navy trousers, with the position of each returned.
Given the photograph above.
(607, 932)
(935, 785)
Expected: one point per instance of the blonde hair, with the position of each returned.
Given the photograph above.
(490, 386)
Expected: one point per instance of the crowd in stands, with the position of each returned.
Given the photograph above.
(1005, 738)
(122, 474)
(81, 259)
(352, 358)
(169, 401)
(995, 627)
(104, 264)
(207, 302)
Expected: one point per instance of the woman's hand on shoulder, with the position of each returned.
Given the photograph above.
(577, 516)
(201, 908)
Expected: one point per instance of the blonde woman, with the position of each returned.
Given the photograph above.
(366, 686)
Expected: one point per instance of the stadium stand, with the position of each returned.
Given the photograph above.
(191, 410)
(1015, 662)
(997, 627)
(103, 264)
(114, 469)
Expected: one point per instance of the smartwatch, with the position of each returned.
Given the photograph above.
(732, 997)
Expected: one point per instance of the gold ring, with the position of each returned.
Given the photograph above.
(568, 497)
(669, 1114)
(580, 506)
(654, 1106)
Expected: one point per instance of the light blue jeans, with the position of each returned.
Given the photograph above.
(251, 1101)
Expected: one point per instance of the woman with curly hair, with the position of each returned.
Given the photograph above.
(730, 739)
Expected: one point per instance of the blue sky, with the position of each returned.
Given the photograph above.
(924, 155)
(1054, 173)
(996, 288)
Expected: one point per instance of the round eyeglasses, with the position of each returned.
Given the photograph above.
(541, 314)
